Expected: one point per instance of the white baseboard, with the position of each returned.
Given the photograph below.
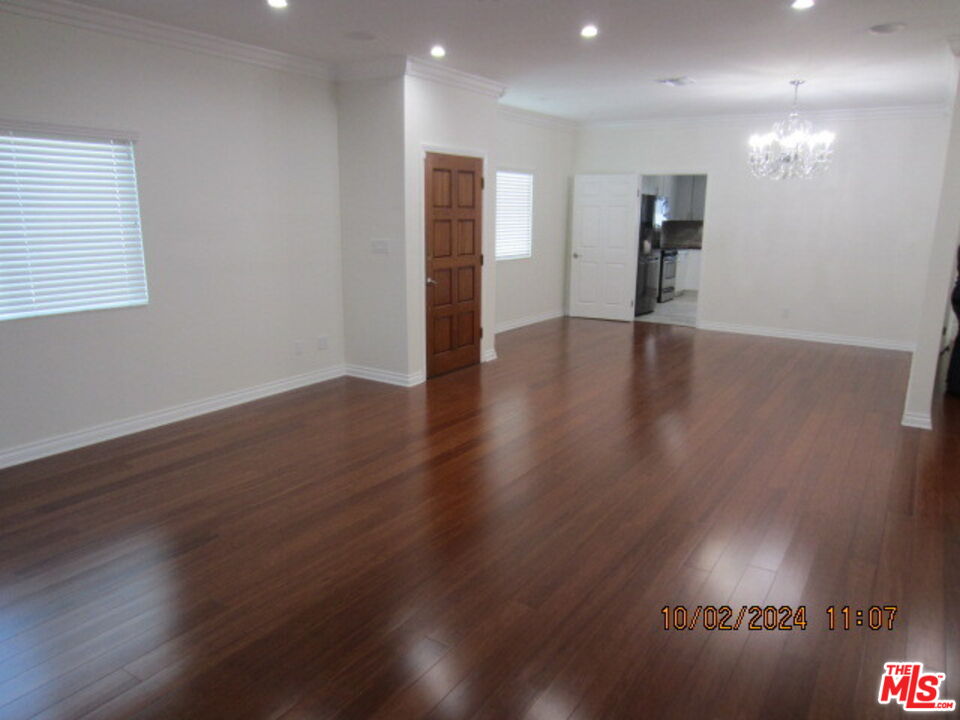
(489, 355)
(118, 428)
(385, 376)
(917, 420)
(108, 431)
(853, 340)
(528, 320)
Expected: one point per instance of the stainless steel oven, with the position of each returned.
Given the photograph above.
(668, 275)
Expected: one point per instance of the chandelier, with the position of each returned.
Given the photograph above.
(792, 149)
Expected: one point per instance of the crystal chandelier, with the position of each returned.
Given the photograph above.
(792, 149)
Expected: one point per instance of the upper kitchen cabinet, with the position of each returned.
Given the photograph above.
(689, 197)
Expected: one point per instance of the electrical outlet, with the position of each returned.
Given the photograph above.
(322, 342)
(298, 348)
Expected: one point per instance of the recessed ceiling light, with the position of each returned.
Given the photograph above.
(888, 28)
(589, 31)
(676, 81)
(277, 4)
(438, 51)
(803, 4)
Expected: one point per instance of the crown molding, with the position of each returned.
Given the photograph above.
(836, 114)
(398, 66)
(113, 23)
(536, 119)
(391, 66)
(448, 76)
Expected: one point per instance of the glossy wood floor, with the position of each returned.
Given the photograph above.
(497, 543)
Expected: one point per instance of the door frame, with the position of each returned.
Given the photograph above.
(703, 250)
(420, 275)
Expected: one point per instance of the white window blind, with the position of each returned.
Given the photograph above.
(69, 226)
(514, 215)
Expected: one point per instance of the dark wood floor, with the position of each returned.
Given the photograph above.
(496, 544)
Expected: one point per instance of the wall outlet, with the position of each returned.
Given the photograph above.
(380, 246)
(322, 342)
(298, 348)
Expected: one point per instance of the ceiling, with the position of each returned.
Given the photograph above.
(741, 53)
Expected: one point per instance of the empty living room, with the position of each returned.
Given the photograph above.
(479, 359)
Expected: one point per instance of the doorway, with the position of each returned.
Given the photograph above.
(671, 244)
(454, 264)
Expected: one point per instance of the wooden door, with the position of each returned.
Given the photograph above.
(454, 199)
(606, 235)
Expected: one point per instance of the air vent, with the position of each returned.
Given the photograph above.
(681, 81)
(888, 28)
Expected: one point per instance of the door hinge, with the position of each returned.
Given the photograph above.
(483, 183)
(481, 333)
(481, 259)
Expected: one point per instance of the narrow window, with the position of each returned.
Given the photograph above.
(514, 215)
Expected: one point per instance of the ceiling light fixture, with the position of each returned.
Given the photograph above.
(803, 4)
(589, 31)
(277, 4)
(438, 51)
(792, 149)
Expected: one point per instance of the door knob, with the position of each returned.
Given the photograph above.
(431, 281)
(576, 256)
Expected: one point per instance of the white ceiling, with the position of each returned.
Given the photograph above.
(741, 53)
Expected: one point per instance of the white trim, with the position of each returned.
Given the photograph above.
(147, 421)
(830, 338)
(392, 66)
(448, 76)
(388, 377)
(489, 355)
(453, 150)
(674, 121)
(923, 421)
(67, 131)
(118, 428)
(114, 23)
(528, 320)
(528, 117)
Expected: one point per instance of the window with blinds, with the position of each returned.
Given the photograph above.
(514, 215)
(69, 225)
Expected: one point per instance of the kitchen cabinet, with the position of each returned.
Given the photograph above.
(688, 270)
(686, 193)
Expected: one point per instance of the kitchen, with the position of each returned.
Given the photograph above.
(671, 243)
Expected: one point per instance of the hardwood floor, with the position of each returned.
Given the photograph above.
(498, 543)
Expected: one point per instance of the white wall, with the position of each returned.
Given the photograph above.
(239, 193)
(842, 258)
(532, 289)
(940, 273)
(441, 116)
(372, 213)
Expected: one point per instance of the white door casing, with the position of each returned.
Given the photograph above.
(606, 229)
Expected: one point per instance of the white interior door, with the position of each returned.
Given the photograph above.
(606, 230)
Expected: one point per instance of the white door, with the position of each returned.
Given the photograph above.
(606, 229)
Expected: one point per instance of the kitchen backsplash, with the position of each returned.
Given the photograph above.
(682, 234)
